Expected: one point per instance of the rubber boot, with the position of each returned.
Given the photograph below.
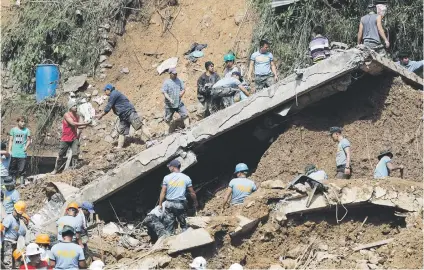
(121, 141)
(186, 122)
(21, 181)
(74, 161)
(57, 166)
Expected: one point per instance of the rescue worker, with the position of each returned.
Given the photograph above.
(18, 258)
(319, 47)
(371, 31)
(66, 254)
(199, 263)
(126, 112)
(43, 241)
(10, 195)
(343, 155)
(173, 90)
(12, 226)
(85, 214)
(263, 66)
(154, 223)
(240, 187)
(70, 219)
(33, 253)
(230, 66)
(204, 85)
(71, 126)
(228, 90)
(413, 66)
(174, 187)
(385, 165)
(312, 172)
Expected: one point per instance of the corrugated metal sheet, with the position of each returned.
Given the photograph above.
(280, 3)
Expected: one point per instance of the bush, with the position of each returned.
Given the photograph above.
(289, 28)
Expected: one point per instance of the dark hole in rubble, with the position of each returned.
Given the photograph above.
(40, 165)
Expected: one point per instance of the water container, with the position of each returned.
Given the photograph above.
(46, 81)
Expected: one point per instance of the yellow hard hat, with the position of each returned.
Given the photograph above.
(1, 227)
(42, 239)
(72, 205)
(20, 207)
(17, 254)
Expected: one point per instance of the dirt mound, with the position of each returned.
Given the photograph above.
(376, 113)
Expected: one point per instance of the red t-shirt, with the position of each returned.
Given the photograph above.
(69, 133)
(42, 265)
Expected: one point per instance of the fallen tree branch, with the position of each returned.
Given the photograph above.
(374, 244)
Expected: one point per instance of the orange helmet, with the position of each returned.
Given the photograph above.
(20, 207)
(72, 205)
(17, 254)
(42, 239)
(1, 227)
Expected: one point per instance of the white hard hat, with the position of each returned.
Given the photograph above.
(97, 265)
(198, 263)
(32, 249)
(236, 266)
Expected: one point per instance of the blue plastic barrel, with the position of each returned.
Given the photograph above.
(46, 81)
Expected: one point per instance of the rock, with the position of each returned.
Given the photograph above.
(105, 26)
(106, 65)
(275, 267)
(167, 64)
(323, 247)
(238, 18)
(95, 92)
(132, 242)
(250, 204)
(101, 126)
(362, 266)
(125, 70)
(188, 240)
(99, 100)
(108, 139)
(154, 262)
(192, 108)
(379, 192)
(110, 157)
(288, 263)
(372, 266)
(74, 83)
(270, 184)
(102, 58)
(110, 229)
(102, 76)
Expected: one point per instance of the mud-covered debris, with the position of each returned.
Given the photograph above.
(129, 242)
(270, 184)
(154, 262)
(111, 229)
(188, 240)
(288, 263)
(374, 244)
(125, 70)
(108, 139)
(102, 58)
(74, 83)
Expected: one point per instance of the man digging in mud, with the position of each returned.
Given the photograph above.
(240, 187)
(385, 165)
(126, 112)
(343, 155)
(174, 188)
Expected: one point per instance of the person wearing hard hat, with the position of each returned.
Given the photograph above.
(126, 112)
(18, 258)
(174, 187)
(312, 172)
(204, 85)
(199, 263)
(70, 219)
(10, 195)
(230, 66)
(43, 241)
(85, 214)
(240, 187)
(236, 266)
(33, 253)
(12, 227)
(385, 165)
(97, 265)
(70, 136)
(66, 254)
(343, 155)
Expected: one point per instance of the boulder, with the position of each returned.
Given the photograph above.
(270, 184)
(188, 240)
(74, 83)
(111, 229)
(167, 64)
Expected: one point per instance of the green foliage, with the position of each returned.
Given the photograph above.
(289, 28)
(58, 31)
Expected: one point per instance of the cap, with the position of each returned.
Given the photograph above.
(7, 180)
(32, 249)
(385, 152)
(236, 73)
(68, 229)
(172, 70)
(236, 266)
(88, 206)
(310, 168)
(71, 103)
(335, 129)
(108, 87)
(241, 167)
(97, 265)
(174, 163)
(198, 263)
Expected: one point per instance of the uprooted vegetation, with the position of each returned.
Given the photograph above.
(70, 33)
(289, 28)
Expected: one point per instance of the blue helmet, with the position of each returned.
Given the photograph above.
(241, 167)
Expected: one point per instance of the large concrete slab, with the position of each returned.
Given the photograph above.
(187, 240)
(318, 81)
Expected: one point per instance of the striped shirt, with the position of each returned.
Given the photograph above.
(319, 48)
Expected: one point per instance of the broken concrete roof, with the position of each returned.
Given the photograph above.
(316, 82)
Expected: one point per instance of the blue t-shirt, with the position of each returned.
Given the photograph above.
(381, 169)
(227, 82)
(9, 200)
(12, 227)
(341, 154)
(74, 222)
(176, 186)
(262, 62)
(20, 138)
(119, 103)
(173, 89)
(412, 65)
(242, 187)
(67, 255)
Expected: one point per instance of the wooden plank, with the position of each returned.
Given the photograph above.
(374, 244)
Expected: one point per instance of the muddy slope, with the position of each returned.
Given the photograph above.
(376, 113)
